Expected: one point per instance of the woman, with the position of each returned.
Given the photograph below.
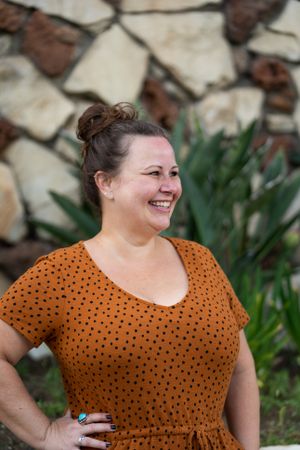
(147, 330)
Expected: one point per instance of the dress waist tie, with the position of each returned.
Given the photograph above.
(195, 434)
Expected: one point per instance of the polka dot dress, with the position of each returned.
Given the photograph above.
(161, 372)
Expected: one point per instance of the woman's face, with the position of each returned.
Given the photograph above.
(148, 185)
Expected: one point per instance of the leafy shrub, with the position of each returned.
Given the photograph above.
(265, 332)
(222, 207)
(290, 301)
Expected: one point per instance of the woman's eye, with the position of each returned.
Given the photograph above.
(155, 172)
(175, 173)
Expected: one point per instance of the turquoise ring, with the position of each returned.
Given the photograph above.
(82, 417)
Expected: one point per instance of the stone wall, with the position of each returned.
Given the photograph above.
(229, 62)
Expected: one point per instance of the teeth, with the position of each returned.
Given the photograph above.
(161, 204)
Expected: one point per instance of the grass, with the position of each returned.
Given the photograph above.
(280, 410)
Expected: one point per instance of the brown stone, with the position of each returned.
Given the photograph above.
(283, 100)
(7, 133)
(243, 15)
(67, 35)
(11, 17)
(50, 47)
(15, 260)
(270, 73)
(159, 105)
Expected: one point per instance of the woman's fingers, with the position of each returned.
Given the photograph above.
(93, 443)
(67, 434)
(97, 427)
(95, 423)
(97, 417)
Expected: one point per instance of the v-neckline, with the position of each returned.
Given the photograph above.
(135, 297)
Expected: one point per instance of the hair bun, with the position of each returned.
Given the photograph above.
(99, 116)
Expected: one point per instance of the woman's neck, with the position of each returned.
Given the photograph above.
(124, 244)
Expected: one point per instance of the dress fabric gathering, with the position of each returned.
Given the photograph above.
(162, 372)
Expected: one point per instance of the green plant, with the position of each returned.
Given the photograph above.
(55, 403)
(264, 331)
(290, 300)
(221, 207)
(280, 409)
(84, 219)
(43, 380)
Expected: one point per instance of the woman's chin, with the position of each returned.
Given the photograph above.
(161, 225)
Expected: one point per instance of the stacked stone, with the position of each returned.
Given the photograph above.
(228, 62)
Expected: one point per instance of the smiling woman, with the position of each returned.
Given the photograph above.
(147, 330)
(147, 185)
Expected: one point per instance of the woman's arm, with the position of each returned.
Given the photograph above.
(242, 403)
(20, 413)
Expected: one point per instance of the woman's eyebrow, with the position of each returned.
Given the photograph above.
(160, 167)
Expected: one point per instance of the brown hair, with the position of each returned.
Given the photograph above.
(103, 130)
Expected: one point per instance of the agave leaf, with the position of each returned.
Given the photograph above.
(87, 224)
(277, 167)
(200, 210)
(177, 137)
(260, 249)
(264, 247)
(282, 200)
(76, 172)
(240, 154)
(261, 199)
(195, 149)
(63, 235)
(205, 156)
(291, 309)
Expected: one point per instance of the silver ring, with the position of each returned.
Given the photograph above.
(81, 439)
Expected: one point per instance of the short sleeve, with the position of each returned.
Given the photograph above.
(240, 314)
(33, 304)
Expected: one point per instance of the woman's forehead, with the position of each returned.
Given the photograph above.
(150, 149)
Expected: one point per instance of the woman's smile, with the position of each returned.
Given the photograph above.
(161, 205)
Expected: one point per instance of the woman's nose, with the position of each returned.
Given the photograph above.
(169, 185)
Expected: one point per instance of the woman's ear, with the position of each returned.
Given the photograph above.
(103, 183)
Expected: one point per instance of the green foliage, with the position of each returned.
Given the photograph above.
(265, 325)
(81, 215)
(43, 380)
(280, 409)
(224, 210)
(55, 404)
(244, 223)
(290, 300)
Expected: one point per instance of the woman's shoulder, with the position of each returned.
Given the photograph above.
(62, 256)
